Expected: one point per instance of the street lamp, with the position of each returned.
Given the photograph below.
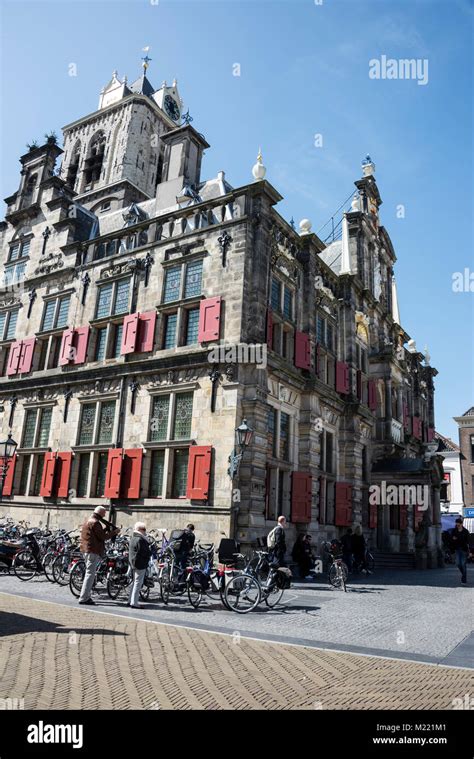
(243, 437)
(7, 451)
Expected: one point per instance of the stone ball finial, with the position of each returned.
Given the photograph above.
(305, 226)
(411, 346)
(259, 170)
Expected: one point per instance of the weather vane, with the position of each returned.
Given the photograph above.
(187, 118)
(146, 60)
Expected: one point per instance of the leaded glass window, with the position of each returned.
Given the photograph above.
(121, 300)
(157, 474)
(38, 475)
(48, 317)
(117, 340)
(271, 434)
(29, 428)
(101, 474)
(101, 343)
(320, 331)
(330, 336)
(14, 252)
(11, 329)
(276, 294)
(45, 426)
(182, 416)
(172, 284)
(105, 300)
(180, 473)
(170, 331)
(86, 430)
(288, 303)
(192, 327)
(193, 282)
(284, 436)
(106, 422)
(25, 248)
(83, 477)
(159, 418)
(25, 469)
(63, 310)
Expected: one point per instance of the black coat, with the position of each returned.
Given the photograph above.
(139, 551)
(460, 539)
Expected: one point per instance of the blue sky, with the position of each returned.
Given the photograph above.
(304, 70)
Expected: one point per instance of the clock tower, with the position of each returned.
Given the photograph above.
(114, 156)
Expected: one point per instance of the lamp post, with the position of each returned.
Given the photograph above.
(243, 437)
(7, 451)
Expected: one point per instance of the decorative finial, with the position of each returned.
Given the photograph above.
(175, 82)
(259, 169)
(305, 226)
(412, 346)
(427, 356)
(187, 118)
(292, 223)
(146, 60)
(355, 205)
(368, 166)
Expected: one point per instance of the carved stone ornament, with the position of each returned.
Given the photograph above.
(100, 387)
(50, 263)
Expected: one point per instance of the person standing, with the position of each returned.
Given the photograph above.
(302, 555)
(460, 543)
(186, 540)
(359, 549)
(139, 555)
(93, 538)
(277, 543)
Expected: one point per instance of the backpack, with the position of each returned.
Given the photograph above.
(271, 538)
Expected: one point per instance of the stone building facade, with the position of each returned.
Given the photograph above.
(466, 444)
(124, 270)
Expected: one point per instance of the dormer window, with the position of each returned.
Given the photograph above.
(29, 189)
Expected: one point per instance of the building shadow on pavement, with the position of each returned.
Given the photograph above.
(18, 624)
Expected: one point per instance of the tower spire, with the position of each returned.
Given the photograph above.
(146, 60)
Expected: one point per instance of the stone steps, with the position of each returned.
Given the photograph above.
(386, 560)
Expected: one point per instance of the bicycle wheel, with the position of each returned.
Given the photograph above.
(165, 585)
(335, 576)
(273, 596)
(4, 568)
(24, 565)
(61, 569)
(48, 562)
(76, 578)
(116, 583)
(194, 594)
(242, 594)
(144, 592)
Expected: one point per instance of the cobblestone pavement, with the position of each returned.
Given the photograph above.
(418, 615)
(59, 657)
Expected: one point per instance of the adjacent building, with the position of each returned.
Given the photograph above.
(124, 270)
(466, 444)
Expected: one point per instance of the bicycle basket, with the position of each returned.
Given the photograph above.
(283, 578)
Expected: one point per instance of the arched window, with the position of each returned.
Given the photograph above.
(94, 160)
(74, 165)
(30, 187)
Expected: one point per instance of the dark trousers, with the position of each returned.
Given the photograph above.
(461, 562)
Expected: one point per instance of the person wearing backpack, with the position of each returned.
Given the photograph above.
(276, 543)
(186, 545)
(460, 544)
(139, 556)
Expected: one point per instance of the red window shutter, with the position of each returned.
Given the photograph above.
(66, 351)
(372, 395)
(343, 504)
(359, 384)
(47, 480)
(81, 338)
(146, 332)
(63, 473)
(209, 319)
(302, 351)
(113, 474)
(129, 334)
(322, 500)
(403, 517)
(199, 472)
(270, 328)
(26, 358)
(131, 473)
(342, 377)
(8, 483)
(431, 434)
(373, 515)
(416, 427)
(14, 358)
(301, 497)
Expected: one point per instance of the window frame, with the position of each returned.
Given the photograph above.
(39, 412)
(95, 430)
(57, 300)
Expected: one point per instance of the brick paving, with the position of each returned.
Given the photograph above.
(60, 657)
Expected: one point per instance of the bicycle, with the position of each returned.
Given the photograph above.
(255, 584)
(338, 571)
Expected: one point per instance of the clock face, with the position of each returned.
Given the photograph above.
(171, 108)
